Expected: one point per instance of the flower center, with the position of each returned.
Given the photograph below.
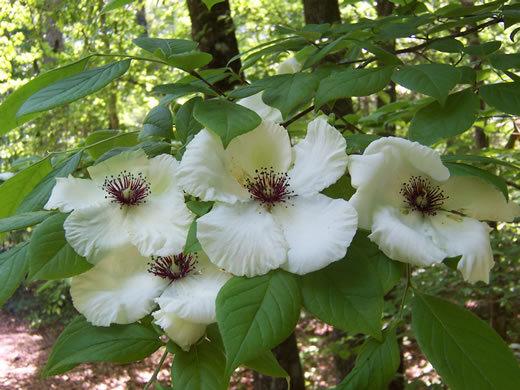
(269, 187)
(422, 196)
(127, 189)
(173, 267)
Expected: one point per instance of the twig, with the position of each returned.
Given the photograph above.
(214, 88)
(157, 369)
(296, 117)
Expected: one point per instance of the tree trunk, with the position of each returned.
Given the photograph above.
(385, 8)
(140, 18)
(215, 32)
(288, 357)
(321, 11)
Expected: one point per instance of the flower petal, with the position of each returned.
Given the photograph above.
(405, 237)
(256, 104)
(290, 65)
(243, 239)
(320, 159)
(193, 297)
(267, 146)
(133, 161)
(94, 230)
(70, 194)
(204, 173)
(468, 237)
(181, 332)
(318, 230)
(119, 289)
(478, 199)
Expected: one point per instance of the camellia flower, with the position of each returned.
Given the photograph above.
(420, 215)
(270, 213)
(130, 200)
(125, 286)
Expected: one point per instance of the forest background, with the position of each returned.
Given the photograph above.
(36, 36)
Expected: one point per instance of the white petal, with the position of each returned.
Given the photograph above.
(242, 238)
(290, 65)
(193, 297)
(320, 159)
(204, 172)
(6, 175)
(256, 104)
(119, 289)
(161, 174)
(467, 237)
(95, 230)
(181, 332)
(267, 146)
(405, 237)
(133, 161)
(478, 199)
(318, 230)
(70, 193)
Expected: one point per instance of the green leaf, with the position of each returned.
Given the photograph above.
(468, 75)
(14, 190)
(192, 243)
(504, 96)
(342, 189)
(72, 88)
(181, 89)
(211, 3)
(382, 55)
(346, 294)
(469, 170)
(267, 364)
(357, 143)
(39, 195)
(464, 350)
(434, 122)
(376, 364)
(158, 123)
(166, 47)
(185, 124)
(434, 80)
(114, 4)
(256, 314)
(202, 368)
(505, 61)
(226, 119)
(190, 60)
(288, 91)
(482, 50)
(101, 141)
(199, 207)
(321, 53)
(20, 221)
(50, 256)
(82, 342)
(353, 82)
(447, 45)
(14, 101)
(477, 159)
(13, 266)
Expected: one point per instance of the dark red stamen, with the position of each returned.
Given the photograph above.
(269, 187)
(127, 189)
(173, 267)
(422, 196)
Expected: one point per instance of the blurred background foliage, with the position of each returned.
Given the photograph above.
(39, 35)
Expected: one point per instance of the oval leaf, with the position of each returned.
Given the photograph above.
(464, 350)
(189, 61)
(504, 96)
(73, 88)
(13, 266)
(20, 221)
(82, 342)
(434, 122)
(226, 119)
(158, 123)
(101, 141)
(167, 47)
(256, 314)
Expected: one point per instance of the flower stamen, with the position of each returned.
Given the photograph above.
(173, 267)
(127, 189)
(421, 196)
(269, 187)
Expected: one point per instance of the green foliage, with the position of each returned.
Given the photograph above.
(13, 266)
(82, 342)
(158, 123)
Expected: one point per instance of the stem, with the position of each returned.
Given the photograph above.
(295, 118)
(157, 369)
(197, 75)
(407, 287)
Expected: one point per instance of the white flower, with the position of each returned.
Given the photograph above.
(255, 102)
(420, 215)
(6, 175)
(270, 213)
(125, 286)
(131, 200)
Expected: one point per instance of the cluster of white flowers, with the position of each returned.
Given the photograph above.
(130, 219)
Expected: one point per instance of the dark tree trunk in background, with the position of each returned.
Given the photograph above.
(288, 357)
(385, 8)
(140, 18)
(321, 11)
(215, 32)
